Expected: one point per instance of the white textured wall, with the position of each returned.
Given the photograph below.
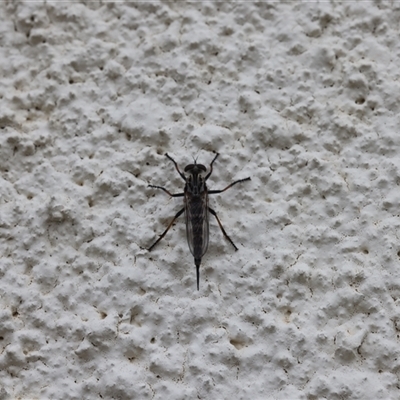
(302, 97)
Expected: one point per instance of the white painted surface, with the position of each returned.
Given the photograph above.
(304, 98)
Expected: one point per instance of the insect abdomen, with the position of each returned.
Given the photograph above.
(197, 225)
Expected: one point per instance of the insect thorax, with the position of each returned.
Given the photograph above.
(195, 185)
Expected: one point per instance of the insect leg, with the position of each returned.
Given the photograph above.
(211, 167)
(222, 228)
(176, 166)
(168, 227)
(229, 186)
(166, 191)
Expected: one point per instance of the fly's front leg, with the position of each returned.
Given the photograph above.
(211, 167)
(229, 186)
(176, 166)
(222, 228)
(168, 227)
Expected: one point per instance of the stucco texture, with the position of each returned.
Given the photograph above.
(301, 97)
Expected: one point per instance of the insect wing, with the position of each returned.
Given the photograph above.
(197, 227)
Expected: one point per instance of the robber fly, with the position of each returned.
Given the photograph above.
(196, 210)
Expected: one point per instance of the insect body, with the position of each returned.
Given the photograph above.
(196, 210)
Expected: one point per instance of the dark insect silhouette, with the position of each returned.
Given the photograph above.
(196, 210)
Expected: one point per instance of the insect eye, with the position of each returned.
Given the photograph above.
(189, 167)
(196, 168)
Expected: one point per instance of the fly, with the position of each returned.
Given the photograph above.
(196, 210)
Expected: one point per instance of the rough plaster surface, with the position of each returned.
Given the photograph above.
(304, 98)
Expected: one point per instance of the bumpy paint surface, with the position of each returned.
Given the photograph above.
(304, 98)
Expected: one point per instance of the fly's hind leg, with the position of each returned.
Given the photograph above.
(222, 228)
(168, 227)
